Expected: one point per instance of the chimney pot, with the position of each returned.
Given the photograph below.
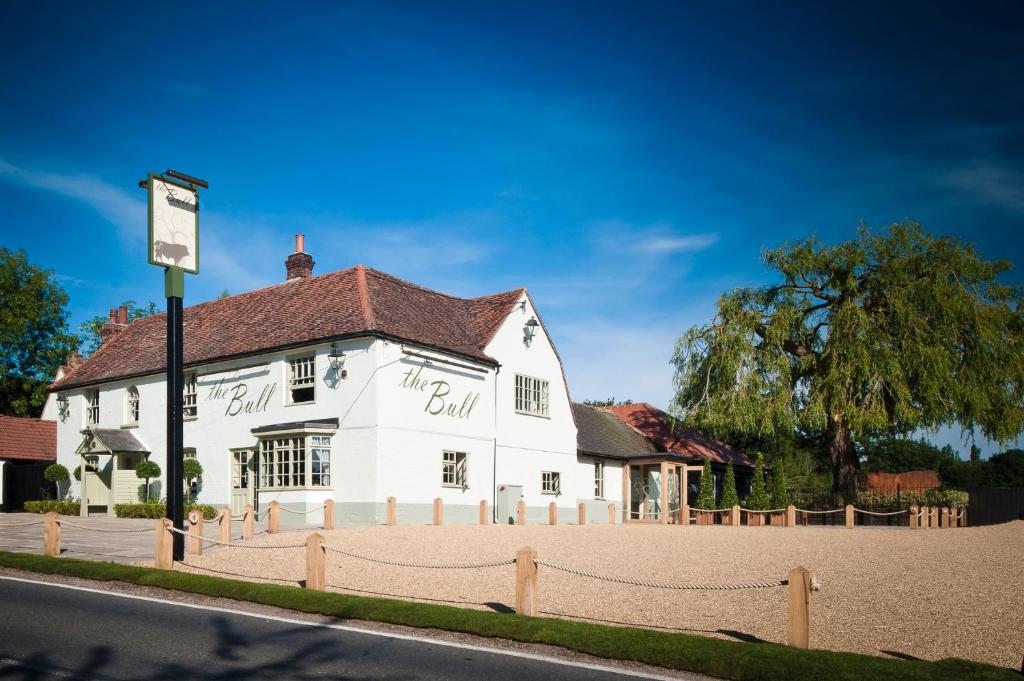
(112, 316)
(300, 243)
(299, 264)
(122, 315)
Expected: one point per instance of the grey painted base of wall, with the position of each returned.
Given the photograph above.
(373, 513)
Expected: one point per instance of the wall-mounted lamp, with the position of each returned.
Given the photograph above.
(63, 405)
(337, 358)
(529, 330)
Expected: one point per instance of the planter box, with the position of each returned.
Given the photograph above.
(755, 519)
(777, 519)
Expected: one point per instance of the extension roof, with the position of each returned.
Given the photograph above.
(116, 440)
(665, 433)
(358, 301)
(601, 433)
(28, 439)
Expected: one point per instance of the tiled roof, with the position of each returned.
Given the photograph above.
(28, 439)
(668, 436)
(301, 311)
(117, 440)
(600, 433)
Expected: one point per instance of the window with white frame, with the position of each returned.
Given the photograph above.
(320, 461)
(189, 404)
(531, 395)
(301, 379)
(132, 405)
(598, 479)
(453, 469)
(550, 482)
(92, 407)
(240, 468)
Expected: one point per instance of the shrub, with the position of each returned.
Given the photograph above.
(68, 507)
(147, 470)
(57, 474)
(933, 497)
(777, 486)
(156, 509)
(730, 497)
(191, 471)
(706, 495)
(758, 499)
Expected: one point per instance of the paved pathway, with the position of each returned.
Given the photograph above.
(23, 533)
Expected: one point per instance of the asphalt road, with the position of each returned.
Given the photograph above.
(48, 632)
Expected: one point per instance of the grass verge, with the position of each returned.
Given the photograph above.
(715, 657)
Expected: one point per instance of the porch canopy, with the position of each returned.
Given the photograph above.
(101, 490)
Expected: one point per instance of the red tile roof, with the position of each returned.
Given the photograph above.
(353, 302)
(668, 436)
(28, 439)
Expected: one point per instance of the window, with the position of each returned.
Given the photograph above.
(240, 469)
(189, 406)
(132, 410)
(550, 482)
(599, 479)
(301, 379)
(531, 396)
(320, 461)
(283, 462)
(92, 407)
(453, 469)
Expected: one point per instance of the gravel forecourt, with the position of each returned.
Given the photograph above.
(929, 594)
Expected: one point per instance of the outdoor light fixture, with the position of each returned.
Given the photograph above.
(530, 330)
(337, 358)
(62, 405)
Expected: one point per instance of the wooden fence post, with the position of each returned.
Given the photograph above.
(438, 511)
(926, 517)
(526, 582)
(553, 513)
(521, 512)
(849, 515)
(51, 535)
(274, 517)
(912, 518)
(163, 552)
(963, 521)
(791, 516)
(611, 514)
(685, 514)
(581, 514)
(734, 516)
(799, 623)
(485, 516)
(329, 514)
(195, 533)
(944, 517)
(952, 516)
(224, 524)
(316, 562)
(392, 513)
(247, 522)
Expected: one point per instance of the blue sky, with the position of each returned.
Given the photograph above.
(625, 161)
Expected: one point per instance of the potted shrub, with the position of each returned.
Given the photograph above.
(758, 500)
(192, 470)
(706, 495)
(778, 492)
(147, 470)
(57, 474)
(729, 496)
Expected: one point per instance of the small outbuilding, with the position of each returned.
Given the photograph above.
(27, 447)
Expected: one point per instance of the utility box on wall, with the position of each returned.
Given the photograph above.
(508, 498)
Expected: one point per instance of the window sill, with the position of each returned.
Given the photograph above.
(300, 404)
(463, 488)
(552, 494)
(190, 418)
(125, 426)
(295, 489)
(536, 416)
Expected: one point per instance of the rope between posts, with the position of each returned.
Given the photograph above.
(102, 529)
(860, 510)
(312, 510)
(240, 546)
(773, 510)
(663, 585)
(34, 522)
(837, 510)
(710, 510)
(216, 519)
(433, 566)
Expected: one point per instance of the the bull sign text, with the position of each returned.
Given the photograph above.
(440, 400)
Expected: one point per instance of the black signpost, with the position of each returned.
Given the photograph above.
(174, 245)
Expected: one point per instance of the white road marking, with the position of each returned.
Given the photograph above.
(369, 632)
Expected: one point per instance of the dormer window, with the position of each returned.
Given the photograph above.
(302, 379)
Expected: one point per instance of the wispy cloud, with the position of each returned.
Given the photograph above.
(990, 183)
(658, 239)
(114, 204)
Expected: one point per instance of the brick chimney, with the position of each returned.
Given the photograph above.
(117, 319)
(299, 264)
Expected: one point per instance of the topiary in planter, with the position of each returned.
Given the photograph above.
(58, 474)
(730, 497)
(147, 470)
(758, 500)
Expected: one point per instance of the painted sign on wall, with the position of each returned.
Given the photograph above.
(240, 398)
(439, 399)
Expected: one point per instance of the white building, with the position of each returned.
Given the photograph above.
(352, 385)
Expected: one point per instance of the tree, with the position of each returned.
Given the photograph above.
(706, 493)
(147, 470)
(34, 335)
(89, 331)
(777, 489)
(758, 499)
(1001, 470)
(885, 334)
(610, 402)
(57, 474)
(730, 497)
(191, 470)
(897, 455)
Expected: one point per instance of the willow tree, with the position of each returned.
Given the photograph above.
(889, 333)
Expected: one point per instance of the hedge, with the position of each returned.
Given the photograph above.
(932, 497)
(159, 510)
(54, 506)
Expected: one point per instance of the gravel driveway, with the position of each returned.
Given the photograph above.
(927, 594)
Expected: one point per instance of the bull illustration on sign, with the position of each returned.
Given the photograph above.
(173, 224)
(163, 250)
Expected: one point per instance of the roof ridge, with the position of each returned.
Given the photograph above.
(409, 284)
(364, 297)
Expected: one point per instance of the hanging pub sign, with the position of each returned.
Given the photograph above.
(173, 223)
